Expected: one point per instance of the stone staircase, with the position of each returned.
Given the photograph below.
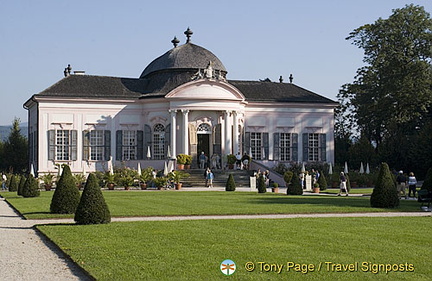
(196, 179)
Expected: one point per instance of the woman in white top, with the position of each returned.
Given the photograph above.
(412, 181)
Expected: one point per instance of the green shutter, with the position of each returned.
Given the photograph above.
(276, 148)
(119, 145)
(167, 139)
(86, 144)
(294, 144)
(51, 145)
(247, 143)
(74, 145)
(107, 145)
(305, 147)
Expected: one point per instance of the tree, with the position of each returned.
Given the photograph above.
(391, 96)
(14, 183)
(30, 188)
(21, 185)
(427, 183)
(92, 208)
(66, 196)
(295, 187)
(322, 182)
(385, 194)
(15, 150)
(262, 188)
(230, 184)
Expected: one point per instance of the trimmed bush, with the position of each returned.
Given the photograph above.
(31, 187)
(322, 182)
(13, 187)
(288, 175)
(295, 187)
(384, 194)
(427, 184)
(262, 188)
(230, 184)
(21, 184)
(66, 196)
(92, 208)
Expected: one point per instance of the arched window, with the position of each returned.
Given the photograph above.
(158, 141)
(204, 128)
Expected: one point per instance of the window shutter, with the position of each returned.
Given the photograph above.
(86, 144)
(107, 145)
(276, 148)
(266, 145)
(323, 143)
(167, 139)
(246, 143)
(119, 145)
(51, 145)
(140, 145)
(74, 145)
(294, 143)
(305, 147)
(147, 136)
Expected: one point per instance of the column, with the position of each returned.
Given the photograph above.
(235, 136)
(228, 135)
(173, 133)
(185, 131)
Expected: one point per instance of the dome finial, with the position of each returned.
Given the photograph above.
(188, 34)
(175, 41)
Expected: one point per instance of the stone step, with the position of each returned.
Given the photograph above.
(196, 179)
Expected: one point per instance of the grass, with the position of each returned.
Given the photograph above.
(193, 250)
(169, 203)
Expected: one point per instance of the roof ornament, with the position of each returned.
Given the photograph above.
(280, 79)
(175, 41)
(67, 71)
(291, 78)
(208, 71)
(188, 34)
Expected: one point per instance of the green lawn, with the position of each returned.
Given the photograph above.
(193, 250)
(169, 203)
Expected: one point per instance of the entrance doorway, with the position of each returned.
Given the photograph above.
(204, 141)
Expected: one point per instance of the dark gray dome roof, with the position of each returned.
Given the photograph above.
(185, 57)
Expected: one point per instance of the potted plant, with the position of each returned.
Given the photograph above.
(188, 161)
(110, 181)
(181, 161)
(48, 180)
(160, 182)
(145, 177)
(231, 159)
(275, 187)
(316, 188)
(79, 180)
(177, 176)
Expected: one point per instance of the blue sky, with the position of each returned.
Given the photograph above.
(253, 39)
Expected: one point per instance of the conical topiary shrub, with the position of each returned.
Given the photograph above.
(66, 196)
(322, 182)
(295, 187)
(92, 208)
(384, 194)
(230, 184)
(262, 188)
(30, 188)
(14, 183)
(21, 184)
(427, 184)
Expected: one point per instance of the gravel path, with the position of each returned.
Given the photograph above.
(28, 255)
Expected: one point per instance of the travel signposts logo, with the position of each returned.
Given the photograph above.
(228, 267)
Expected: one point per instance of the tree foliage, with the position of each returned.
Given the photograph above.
(261, 185)
(427, 183)
(15, 150)
(14, 183)
(385, 194)
(30, 188)
(295, 187)
(390, 101)
(66, 196)
(92, 208)
(230, 184)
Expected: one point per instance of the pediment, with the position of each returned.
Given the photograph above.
(205, 89)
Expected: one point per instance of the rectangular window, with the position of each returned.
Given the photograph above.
(256, 145)
(313, 147)
(285, 146)
(159, 145)
(129, 145)
(62, 145)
